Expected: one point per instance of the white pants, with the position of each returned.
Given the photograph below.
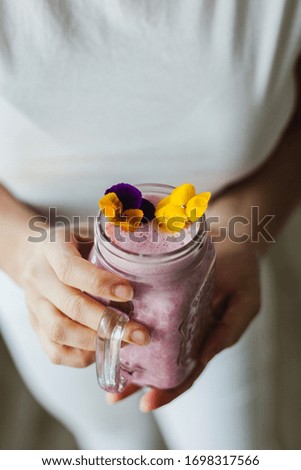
(232, 406)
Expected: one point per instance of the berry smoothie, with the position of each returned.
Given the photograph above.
(172, 277)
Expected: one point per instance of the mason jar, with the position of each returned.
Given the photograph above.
(172, 298)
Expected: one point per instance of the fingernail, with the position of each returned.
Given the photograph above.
(110, 398)
(143, 406)
(140, 337)
(124, 292)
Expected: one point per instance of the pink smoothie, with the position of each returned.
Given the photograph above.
(172, 279)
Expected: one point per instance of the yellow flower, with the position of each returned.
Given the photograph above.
(171, 217)
(182, 206)
(182, 194)
(110, 205)
(197, 205)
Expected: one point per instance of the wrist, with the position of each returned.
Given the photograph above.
(14, 232)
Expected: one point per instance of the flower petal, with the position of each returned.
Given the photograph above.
(148, 210)
(130, 220)
(129, 195)
(110, 205)
(197, 205)
(181, 195)
(171, 218)
(163, 202)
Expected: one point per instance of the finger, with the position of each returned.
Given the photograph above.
(218, 302)
(75, 271)
(33, 320)
(241, 309)
(64, 355)
(60, 329)
(73, 303)
(112, 398)
(86, 311)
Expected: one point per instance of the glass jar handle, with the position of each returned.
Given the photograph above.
(108, 345)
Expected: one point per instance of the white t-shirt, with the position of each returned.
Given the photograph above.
(97, 92)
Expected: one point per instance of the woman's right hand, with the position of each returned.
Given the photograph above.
(55, 278)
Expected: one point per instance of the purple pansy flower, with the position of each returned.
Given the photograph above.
(148, 210)
(130, 196)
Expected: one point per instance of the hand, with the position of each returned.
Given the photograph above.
(235, 303)
(55, 278)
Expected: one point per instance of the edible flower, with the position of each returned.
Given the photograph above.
(111, 206)
(130, 196)
(182, 206)
(130, 220)
(124, 205)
